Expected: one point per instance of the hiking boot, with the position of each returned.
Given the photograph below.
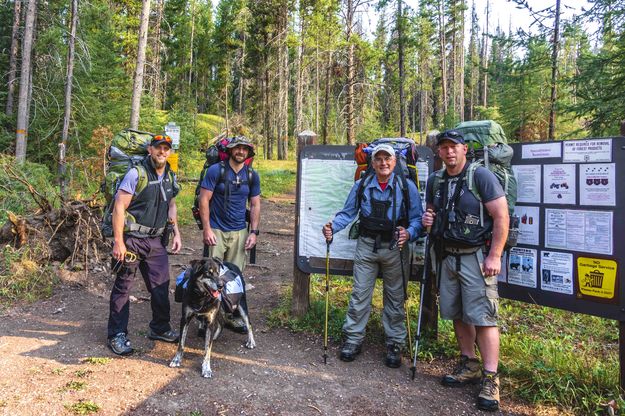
(235, 324)
(393, 355)
(119, 344)
(168, 336)
(488, 399)
(349, 351)
(467, 371)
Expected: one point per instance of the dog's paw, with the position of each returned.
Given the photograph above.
(250, 344)
(175, 362)
(206, 372)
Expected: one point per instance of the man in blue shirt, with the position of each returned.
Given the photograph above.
(384, 216)
(224, 195)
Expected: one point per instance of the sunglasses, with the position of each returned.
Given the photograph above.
(449, 134)
(161, 138)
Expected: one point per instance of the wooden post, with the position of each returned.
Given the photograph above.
(621, 355)
(301, 280)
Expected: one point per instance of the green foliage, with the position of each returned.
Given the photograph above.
(83, 407)
(97, 360)
(277, 177)
(14, 193)
(74, 386)
(23, 279)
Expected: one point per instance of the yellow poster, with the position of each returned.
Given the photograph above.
(173, 161)
(597, 277)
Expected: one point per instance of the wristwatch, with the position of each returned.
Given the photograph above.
(254, 232)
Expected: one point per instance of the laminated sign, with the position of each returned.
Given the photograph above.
(596, 277)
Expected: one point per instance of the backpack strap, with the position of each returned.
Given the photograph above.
(471, 185)
(142, 180)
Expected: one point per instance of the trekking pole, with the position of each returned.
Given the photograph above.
(325, 330)
(413, 369)
(405, 283)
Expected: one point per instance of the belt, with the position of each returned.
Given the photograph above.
(152, 232)
(383, 235)
(459, 251)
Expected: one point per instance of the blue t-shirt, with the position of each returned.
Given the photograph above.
(231, 218)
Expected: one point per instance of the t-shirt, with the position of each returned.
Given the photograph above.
(130, 181)
(486, 184)
(231, 218)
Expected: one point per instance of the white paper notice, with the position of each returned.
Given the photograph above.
(585, 231)
(501, 277)
(528, 183)
(556, 271)
(559, 184)
(541, 150)
(529, 224)
(597, 150)
(597, 185)
(522, 267)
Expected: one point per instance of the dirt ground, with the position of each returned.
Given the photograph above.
(53, 355)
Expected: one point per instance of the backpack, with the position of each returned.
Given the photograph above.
(488, 147)
(217, 153)
(128, 149)
(405, 169)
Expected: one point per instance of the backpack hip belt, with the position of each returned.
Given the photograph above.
(150, 232)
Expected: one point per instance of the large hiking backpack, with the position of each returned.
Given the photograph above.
(488, 147)
(405, 168)
(216, 153)
(128, 149)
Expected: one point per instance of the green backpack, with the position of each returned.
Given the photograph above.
(488, 147)
(128, 148)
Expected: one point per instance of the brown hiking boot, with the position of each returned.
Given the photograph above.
(488, 399)
(467, 371)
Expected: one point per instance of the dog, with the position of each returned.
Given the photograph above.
(202, 299)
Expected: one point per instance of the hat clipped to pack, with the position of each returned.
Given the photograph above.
(383, 148)
(452, 135)
(241, 141)
(161, 139)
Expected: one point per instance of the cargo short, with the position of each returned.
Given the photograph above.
(467, 294)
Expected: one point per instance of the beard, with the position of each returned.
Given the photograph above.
(157, 164)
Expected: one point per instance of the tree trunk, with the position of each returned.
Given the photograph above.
(283, 84)
(191, 45)
(137, 88)
(17, 6)
(68, 98)
(400, 63)
(461, 65)
(443, 61)
(267, 113)
(299, 81)
(485, 59)
(349, 112)
(241, 79)
(25, 76)
(326, 101)
(156, 90)
(554, 73)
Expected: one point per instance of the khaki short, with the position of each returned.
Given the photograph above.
(231, 247)
(468, 295)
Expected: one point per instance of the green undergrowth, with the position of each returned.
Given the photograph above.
(21, 278)
(549, 357)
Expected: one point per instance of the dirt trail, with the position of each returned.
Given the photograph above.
(45, 347)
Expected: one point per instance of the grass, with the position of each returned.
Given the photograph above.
(21, 278)
(83, 407)
(97, 360)
(548, 357)
(74, 386)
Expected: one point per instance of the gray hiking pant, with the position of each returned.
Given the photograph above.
(367, 267)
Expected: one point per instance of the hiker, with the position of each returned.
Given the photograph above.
(142, 222)
(383, 218)
(223, 206)
(468, 260)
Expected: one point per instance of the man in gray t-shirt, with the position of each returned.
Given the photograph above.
(468, 271)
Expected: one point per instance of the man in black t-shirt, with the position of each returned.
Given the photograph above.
(462, 225)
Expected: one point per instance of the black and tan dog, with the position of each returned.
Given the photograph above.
(202, 299)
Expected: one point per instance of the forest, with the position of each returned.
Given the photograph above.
(75, 72)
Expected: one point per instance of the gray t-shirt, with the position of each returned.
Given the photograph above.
(486, 184)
